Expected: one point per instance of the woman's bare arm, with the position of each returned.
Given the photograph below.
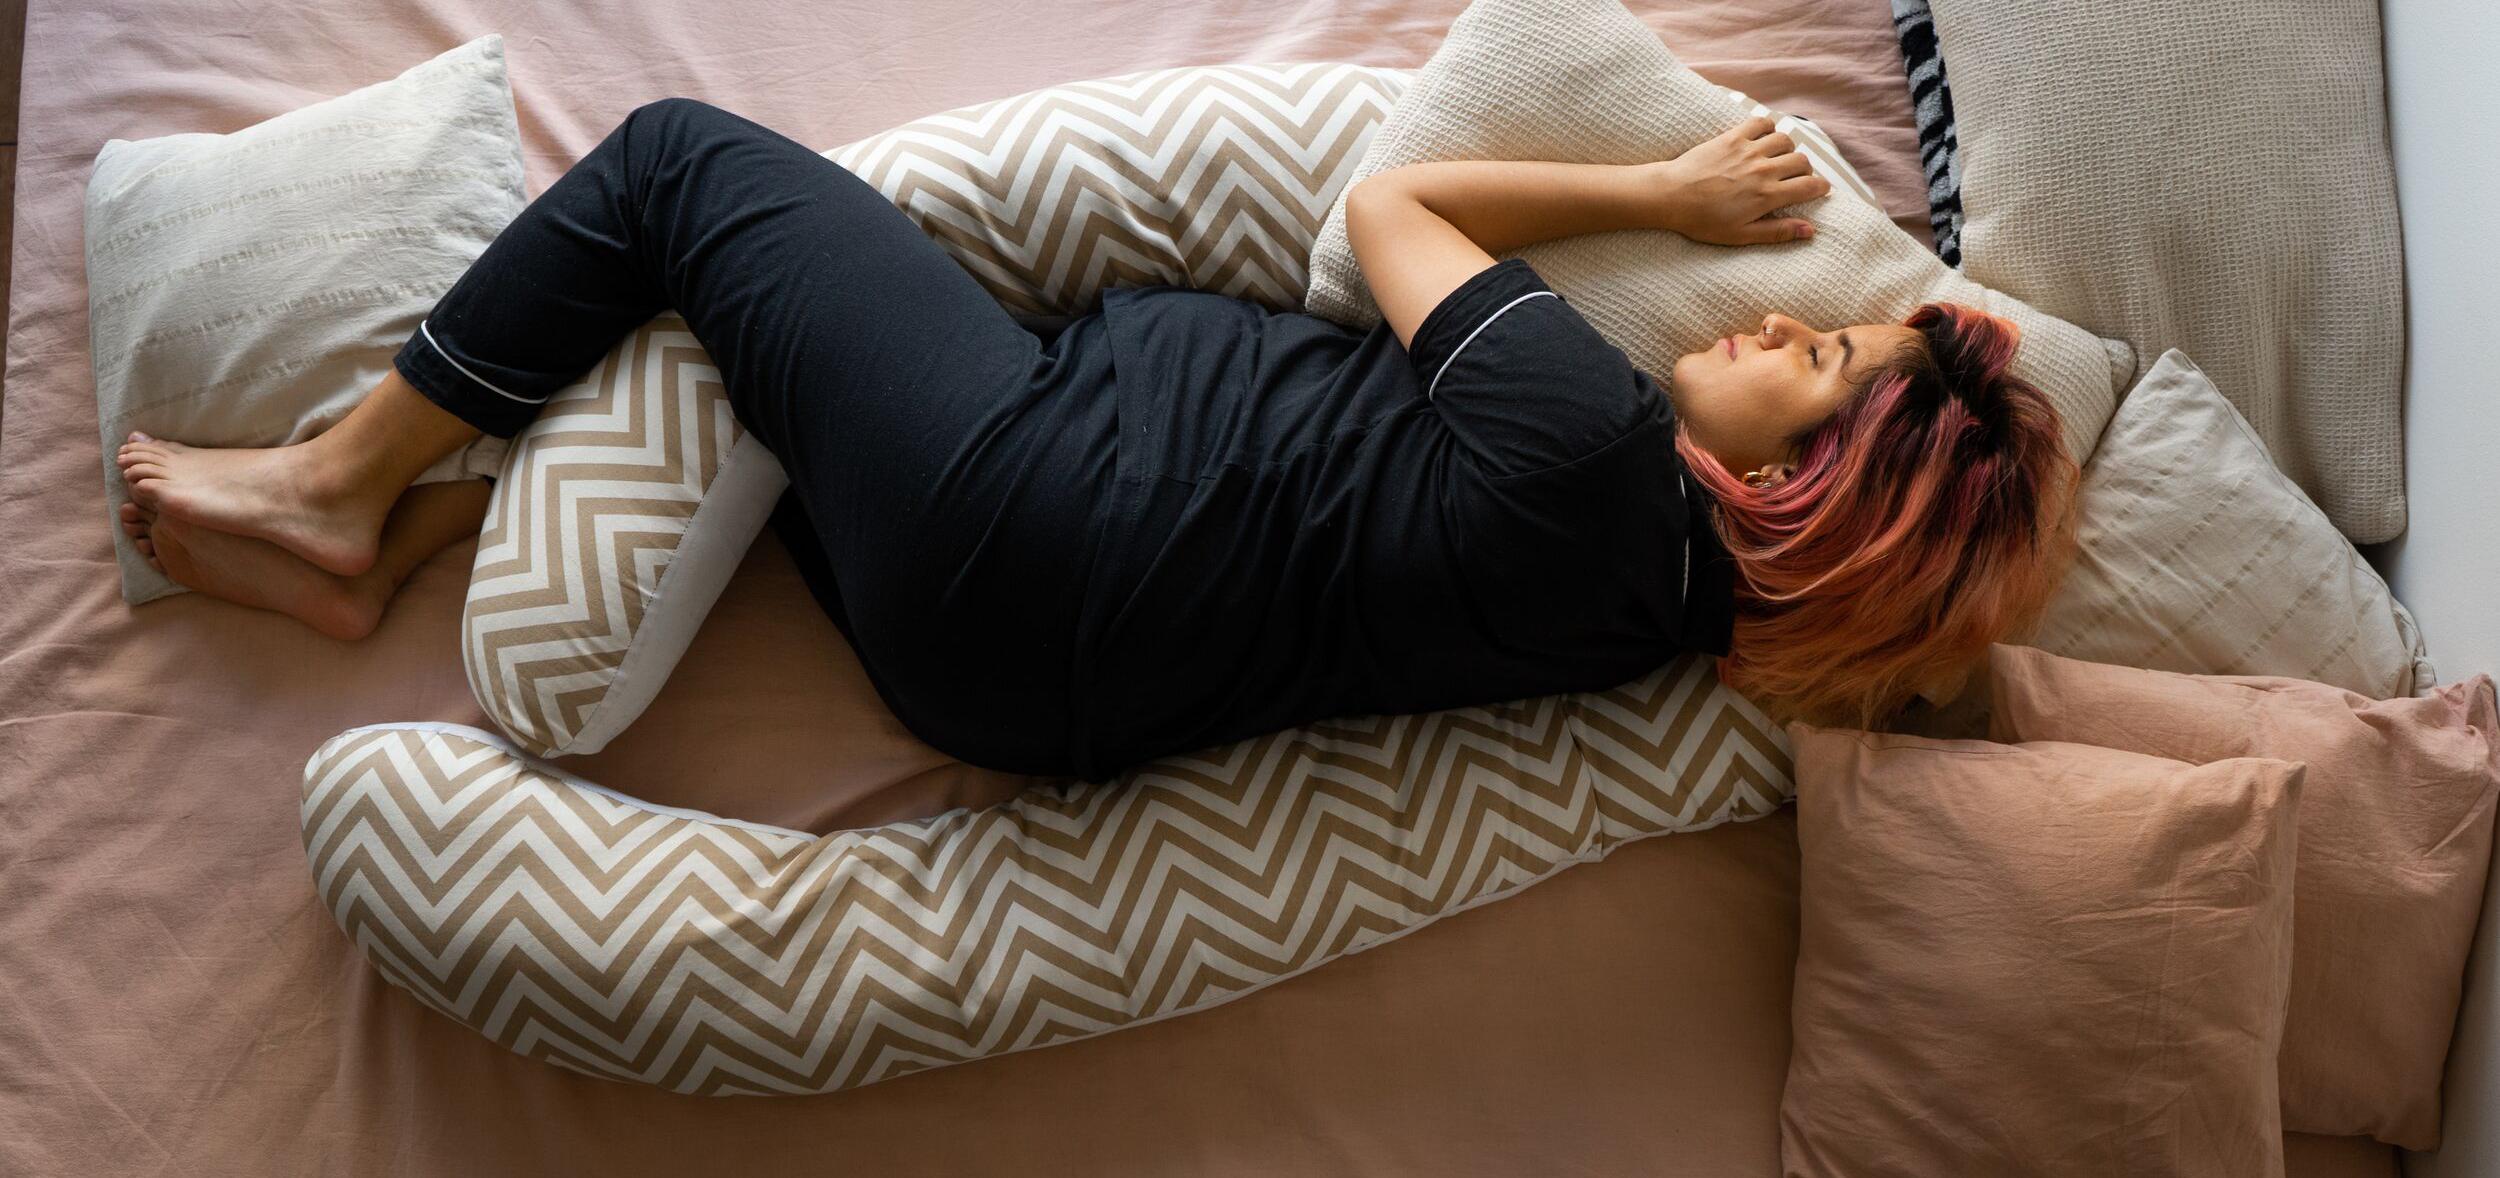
(1421, 230)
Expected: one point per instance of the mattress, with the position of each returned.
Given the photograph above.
(173, 997)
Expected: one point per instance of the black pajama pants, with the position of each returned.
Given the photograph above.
(948, 461)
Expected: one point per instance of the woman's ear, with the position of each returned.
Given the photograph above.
(1770, 475)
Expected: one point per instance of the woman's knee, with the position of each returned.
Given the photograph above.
(668, 118)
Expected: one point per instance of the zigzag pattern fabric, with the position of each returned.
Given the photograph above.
(706, 956)
(1212, 177)
(584, 532)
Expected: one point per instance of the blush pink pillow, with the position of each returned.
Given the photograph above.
(2038, 959)
(2395, 842)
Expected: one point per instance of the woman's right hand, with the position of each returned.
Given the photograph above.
(1723, 189)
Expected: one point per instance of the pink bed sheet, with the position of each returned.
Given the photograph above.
(174, 1000)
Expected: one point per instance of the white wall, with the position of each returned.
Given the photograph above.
(2443, 81)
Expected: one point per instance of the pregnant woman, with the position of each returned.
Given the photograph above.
(1063, 548)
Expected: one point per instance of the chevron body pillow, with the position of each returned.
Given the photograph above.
(619, 515)
(584, 928)
(707, 955)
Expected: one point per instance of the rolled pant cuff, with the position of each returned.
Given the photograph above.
(422, 364)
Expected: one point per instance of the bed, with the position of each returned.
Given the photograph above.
(173, 996)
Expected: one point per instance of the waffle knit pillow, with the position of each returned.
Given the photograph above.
(2209, 175)
(248, 289)
(1585, 81)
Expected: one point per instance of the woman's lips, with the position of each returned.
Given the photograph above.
(1730, 341)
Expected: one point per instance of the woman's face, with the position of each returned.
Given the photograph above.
(1743, 398)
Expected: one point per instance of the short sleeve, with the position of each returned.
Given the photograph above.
(1522, 379)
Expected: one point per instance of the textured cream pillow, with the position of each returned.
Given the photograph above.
(2209, 175)
(1585, 81)
(248, 289)
(2199, 555)
(2196, 554)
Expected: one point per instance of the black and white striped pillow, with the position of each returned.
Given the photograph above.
(1931, 100)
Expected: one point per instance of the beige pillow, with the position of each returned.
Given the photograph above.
(2395, 844)
(1585, 81)
(2038, 959)
(2198, 555)
(2213, 176)
(247, 289)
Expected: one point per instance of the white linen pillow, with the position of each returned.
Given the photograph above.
(2209, 175)
(247, 289)
(1585, 81)
(2196, 554)
(2199, 555)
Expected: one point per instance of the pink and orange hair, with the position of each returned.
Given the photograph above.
(1926, 518)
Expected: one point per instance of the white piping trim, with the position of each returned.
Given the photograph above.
(1471, 336)
(1684, 591)
(428, 333)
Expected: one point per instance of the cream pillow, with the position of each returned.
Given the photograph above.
(2208, 175)
(1585, 81)
(2197, 554)
(248, 289)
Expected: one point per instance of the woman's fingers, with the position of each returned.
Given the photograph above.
(1765, 230)
(1792, 165)
(1776, 143)
(1755, 128)
(1801, 188)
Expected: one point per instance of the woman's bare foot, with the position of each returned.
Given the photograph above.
(255, 572)
(281, 494)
